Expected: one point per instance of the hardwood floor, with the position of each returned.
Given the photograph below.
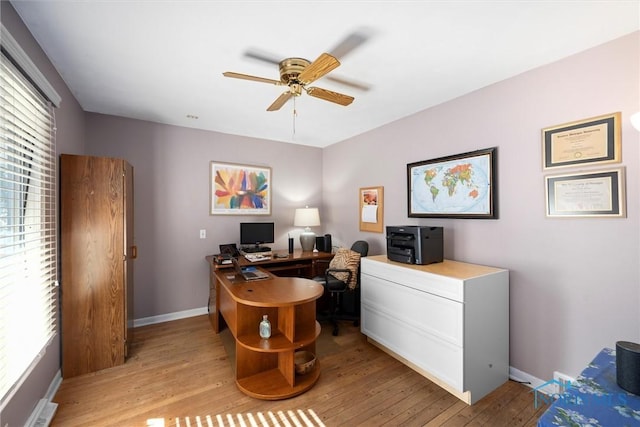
(179, 374)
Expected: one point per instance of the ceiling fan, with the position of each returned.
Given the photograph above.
(298, 73)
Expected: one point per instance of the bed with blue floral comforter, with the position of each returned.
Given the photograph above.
(595, 399)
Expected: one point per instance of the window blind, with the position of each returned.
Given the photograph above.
(28, 227)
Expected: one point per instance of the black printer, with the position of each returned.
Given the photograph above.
(414, 244)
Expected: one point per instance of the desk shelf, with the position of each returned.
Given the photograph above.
(278, 341)
(295, 268)
(272, 385)
(265, 368)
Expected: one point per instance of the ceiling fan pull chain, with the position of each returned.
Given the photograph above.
(295, 113)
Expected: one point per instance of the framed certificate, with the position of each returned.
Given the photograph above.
(589, 194)
(591, 141)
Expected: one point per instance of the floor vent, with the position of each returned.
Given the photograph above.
(42, 414)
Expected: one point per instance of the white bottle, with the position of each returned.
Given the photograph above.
(265, 327)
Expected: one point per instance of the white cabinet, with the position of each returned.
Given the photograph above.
(449, 321)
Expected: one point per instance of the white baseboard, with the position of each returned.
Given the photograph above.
(53, 387)
(530, 381)
(169, 316)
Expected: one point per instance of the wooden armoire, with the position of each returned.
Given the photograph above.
(97, 249)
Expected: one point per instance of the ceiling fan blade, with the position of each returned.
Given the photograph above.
(318, 68)
(351, 42)
(278, 103)
(331, 96)
(263, 56)
(348, 82)
(253, 78)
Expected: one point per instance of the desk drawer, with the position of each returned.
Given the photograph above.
(290, 270)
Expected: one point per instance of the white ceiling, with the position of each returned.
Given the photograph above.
(163, 60)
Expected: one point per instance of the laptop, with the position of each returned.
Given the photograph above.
(249, 273)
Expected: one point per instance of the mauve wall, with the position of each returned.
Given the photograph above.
(70, 138)
(171, 192)
(575, 283)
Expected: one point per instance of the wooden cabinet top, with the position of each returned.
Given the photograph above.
(449, 268)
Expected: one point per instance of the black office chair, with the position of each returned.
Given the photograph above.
(342, 282)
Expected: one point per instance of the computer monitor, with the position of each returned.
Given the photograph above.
(256, 233)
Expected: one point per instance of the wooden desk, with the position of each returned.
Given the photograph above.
(298, 264)
(265, 367)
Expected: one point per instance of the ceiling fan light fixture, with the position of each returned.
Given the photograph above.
(296, 89)
(296, 74)
(291, 68)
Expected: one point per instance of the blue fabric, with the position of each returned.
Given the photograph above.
(595, 399)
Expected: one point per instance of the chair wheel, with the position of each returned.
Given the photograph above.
(335, 331)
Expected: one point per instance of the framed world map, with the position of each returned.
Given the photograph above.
(458, 186)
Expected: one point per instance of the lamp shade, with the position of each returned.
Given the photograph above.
(306, 217)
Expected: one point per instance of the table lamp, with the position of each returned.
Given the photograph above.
(307, 217)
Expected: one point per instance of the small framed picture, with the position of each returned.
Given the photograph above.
(371, 209)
